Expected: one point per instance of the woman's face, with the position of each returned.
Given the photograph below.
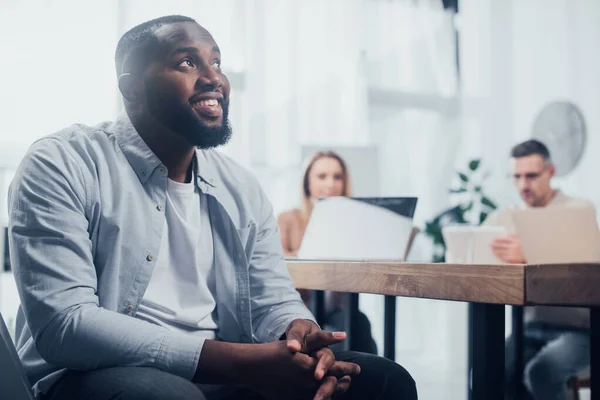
(325, 178)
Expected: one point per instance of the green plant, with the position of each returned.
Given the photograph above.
(472, 206)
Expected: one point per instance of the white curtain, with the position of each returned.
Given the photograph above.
(56, 69)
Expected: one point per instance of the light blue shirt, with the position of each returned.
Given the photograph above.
(86, 211)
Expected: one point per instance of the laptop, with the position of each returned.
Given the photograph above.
(469, 244)
(362, 228)
(556, 234)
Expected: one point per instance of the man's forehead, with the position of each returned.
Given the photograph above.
(174, 35)
(532, 162)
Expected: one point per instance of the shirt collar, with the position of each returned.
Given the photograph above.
(143, 160)
(138, 154)
(205, 170)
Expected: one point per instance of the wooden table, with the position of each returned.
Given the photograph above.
(487, 287)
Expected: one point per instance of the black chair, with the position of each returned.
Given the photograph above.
(14, 384)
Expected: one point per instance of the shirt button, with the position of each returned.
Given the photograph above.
(143, 173)
(159, 207)
(129, 307)
(161, 170)
(149, 257)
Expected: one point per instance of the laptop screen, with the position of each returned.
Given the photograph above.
(347, 228)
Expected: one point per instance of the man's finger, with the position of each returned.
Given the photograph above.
(343, 384)
(327, 388)
(503, 240)
(342, 368)
(500, 244)
(497, 252)
(305, 362)
(320, 339)
(296, 336)
(326, 360)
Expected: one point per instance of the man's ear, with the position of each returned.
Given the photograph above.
(552, 169)
(130, 87)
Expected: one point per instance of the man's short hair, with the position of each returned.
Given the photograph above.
(530, 147)
(140, 39)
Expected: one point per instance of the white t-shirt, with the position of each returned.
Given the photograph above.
(180, 295)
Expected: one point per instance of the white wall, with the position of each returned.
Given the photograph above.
(44, 51)
(517, 56)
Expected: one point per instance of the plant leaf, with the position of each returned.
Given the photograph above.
(463, 177)
(482, 217)
(459, 190)
(487, 202)
(474, 164)
(467, 207)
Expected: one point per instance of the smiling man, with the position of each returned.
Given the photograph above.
(149, 266)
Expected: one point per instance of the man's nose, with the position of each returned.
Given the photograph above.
(209, 79)
(523, 184)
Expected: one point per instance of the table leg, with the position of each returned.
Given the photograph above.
(595, 352)
(517, 338)
(351, 311)
(470, 351)
(389, 327)
(319, 305)
(487, 358)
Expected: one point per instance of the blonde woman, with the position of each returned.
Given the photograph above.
(325, 175)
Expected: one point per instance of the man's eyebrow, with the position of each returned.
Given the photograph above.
(185, 50)
(190, 49)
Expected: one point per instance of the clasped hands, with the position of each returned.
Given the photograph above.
(305, 367)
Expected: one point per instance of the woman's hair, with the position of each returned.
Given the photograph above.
(346, 188)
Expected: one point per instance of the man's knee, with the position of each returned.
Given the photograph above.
(135, 383)
(400, 380)
(539, 373)
(160, 385)
(384, 379)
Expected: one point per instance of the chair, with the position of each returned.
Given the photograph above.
(13, 381)
(582, 380)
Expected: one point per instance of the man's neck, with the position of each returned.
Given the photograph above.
(548, 198)
(174, 151)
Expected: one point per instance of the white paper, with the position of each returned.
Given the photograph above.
(471, 244)
(345, 229)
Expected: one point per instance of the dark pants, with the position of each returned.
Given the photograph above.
(360, 328)
(380, 379)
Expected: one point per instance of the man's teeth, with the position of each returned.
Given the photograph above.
(207, 103)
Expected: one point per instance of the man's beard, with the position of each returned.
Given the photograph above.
(183, 120)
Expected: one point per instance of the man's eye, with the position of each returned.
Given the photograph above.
(186, 63)
(216, 64)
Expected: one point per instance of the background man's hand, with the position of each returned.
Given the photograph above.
(508, 248)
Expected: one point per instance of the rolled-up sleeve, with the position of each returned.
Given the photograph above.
(51, 253)
(275, 301)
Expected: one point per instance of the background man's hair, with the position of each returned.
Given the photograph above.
(139, 41)
(530, 147)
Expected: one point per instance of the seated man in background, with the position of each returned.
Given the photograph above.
(556, 339)
(149, 266)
